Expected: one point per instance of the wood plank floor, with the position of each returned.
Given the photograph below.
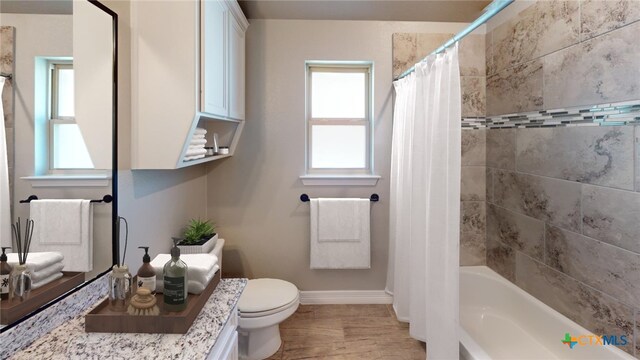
(347, 332)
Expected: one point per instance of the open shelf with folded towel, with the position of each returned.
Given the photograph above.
(201, 137)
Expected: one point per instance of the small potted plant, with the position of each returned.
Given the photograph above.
(199, 237)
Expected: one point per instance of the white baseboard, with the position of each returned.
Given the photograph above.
(345, 297)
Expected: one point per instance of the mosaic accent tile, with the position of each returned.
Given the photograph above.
(598, 17)
(473, 183)
(472, 233)
(593, 155)
(472, 55)
(502, 259)
(603, 69)
(515, 89)
(611, 216)
(540, 29)
(605, 267)
(550, 200)
(473, 96)
(474, 147)
(597, 312)
(518, 231)
(501, 149)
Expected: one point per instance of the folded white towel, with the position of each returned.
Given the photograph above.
(195, 157)
(193, 287)
(65, 226)
(37, 261)
(37, 276)
(200, 131)
(195, 147)
(54, 277)
(194, 152)
(202, 141)
(198, 265)
(197, 137)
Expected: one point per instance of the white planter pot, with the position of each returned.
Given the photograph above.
(199, 249)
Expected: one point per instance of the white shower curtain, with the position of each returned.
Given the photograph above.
(5, 201)
(425, 203)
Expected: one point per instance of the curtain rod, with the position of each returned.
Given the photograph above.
(491, 10)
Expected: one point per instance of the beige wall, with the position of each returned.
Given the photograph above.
(157, 204)
(254, 196)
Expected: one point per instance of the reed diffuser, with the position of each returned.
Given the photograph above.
(20, 278)
(120, 278)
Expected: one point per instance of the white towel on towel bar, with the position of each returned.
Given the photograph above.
(344, 253)
(64, 226)
(341, 219)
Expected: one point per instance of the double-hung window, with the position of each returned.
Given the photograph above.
(339, 107)
(67, 149)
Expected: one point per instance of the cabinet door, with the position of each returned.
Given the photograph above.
(236, 69)
(214, 81)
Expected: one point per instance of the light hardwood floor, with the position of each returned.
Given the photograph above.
(347, 332)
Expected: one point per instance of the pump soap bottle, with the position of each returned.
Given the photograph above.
(175, 281)
(146, 274)
(5, 271)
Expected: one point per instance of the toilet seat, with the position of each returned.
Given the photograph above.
(244, 314)
(267, 296)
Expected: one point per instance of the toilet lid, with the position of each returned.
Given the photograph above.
(266, 294)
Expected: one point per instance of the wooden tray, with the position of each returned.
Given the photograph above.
(103, 319)
(12, 310)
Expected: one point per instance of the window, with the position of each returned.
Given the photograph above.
(339, 140)
(67, 150)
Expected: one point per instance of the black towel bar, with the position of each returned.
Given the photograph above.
(105, 199)
(305, 197)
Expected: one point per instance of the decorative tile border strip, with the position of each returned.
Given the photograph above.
(613, 114)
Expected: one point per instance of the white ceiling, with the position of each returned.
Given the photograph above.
(384, 10)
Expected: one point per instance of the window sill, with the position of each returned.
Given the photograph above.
(340, 180)
(68, 180)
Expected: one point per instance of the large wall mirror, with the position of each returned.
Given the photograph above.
(58, 147)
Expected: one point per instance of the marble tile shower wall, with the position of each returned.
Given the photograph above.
(409, 48)
(563, 203)
(557, 54)
(7, 50)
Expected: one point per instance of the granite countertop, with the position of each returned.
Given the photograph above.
(70, 341)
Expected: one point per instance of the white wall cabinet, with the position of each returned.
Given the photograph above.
(187, 71)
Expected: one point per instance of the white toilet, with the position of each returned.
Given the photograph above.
(263, 305)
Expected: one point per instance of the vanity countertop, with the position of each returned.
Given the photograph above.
(70, 341)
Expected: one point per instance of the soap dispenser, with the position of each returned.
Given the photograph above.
(175, 281)
(146, 274)
(5, 272)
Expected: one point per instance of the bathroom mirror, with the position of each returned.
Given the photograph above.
(60, 135)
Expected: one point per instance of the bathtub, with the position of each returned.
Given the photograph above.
(501, 321)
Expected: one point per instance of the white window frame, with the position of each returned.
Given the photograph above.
(53, 119)
(367, 121)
